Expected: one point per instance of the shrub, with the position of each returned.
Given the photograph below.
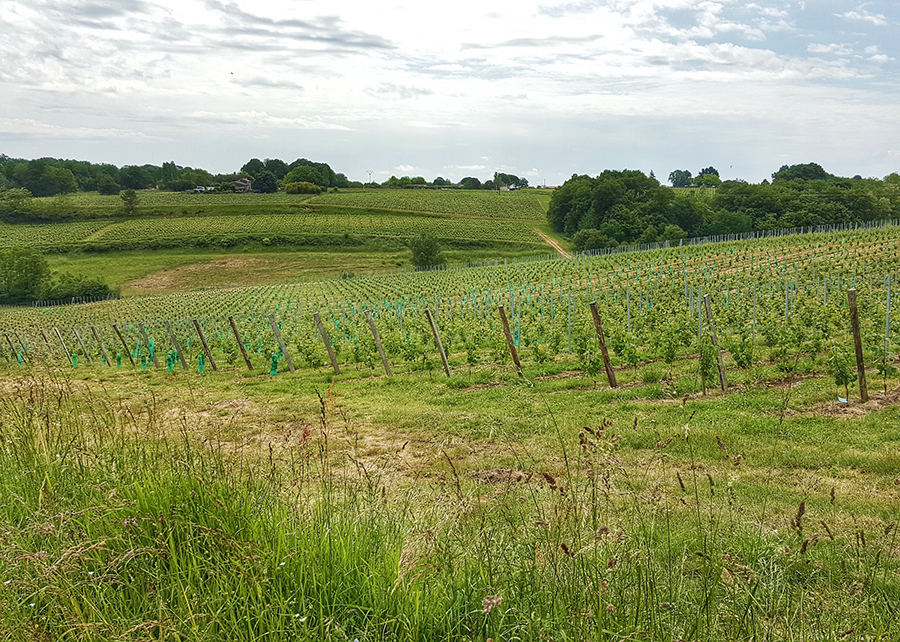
(302, 187)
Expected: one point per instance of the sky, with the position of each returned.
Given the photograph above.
(541, 89)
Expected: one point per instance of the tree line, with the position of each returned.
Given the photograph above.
(43, 177)
(622, 207)
(53, 176)
(499, 181)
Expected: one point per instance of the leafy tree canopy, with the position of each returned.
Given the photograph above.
(426, 251)
(305, 174)
(806, 172)
(23, 275)
(681, 178)
(266, 182)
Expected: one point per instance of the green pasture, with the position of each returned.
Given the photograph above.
(233, 506)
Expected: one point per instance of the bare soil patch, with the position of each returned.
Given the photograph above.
(219, 273)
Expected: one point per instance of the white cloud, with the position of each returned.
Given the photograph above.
(555, 82)
(875, 19)
(263, 119)
(31, 127)
(404, 168)
(831, 49)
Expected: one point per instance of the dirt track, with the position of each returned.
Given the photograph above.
(553, 243)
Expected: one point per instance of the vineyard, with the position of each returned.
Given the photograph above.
(151, 199)
(463, 220)
(362, 458)
(319, 227)
(780, 301)
(514, 205)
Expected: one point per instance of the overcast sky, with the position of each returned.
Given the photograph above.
(538, 89)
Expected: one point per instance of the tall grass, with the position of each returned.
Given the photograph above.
(119, 523)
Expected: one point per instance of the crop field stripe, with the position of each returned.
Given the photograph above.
(650, 302)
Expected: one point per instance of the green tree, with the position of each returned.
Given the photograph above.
(277, 167)
(24, 274)
(168, 172)
(253, 167)
(426, 251)
(59, 180)
(107, 185)
(673, 233)
(325, 171)
(14, 202)
(305, 174)
(805, 171)
(681, 178)
(134, 177)
(266, 182)
(592, 240)
(709, 180)
(130, 201)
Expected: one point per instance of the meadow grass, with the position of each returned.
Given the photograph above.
(241, 506)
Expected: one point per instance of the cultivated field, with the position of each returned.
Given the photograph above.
(201, 503)
(523, 204)
(166, 220)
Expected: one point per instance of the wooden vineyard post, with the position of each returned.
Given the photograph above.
(47, 345)
(147, 343)
(9, 341)
(327, 341)
(714, 341)
(237, 336)
(857, 344)
(63, 344)
(509, 340)
(377, 337)
(122, 339)
(598, 326)
(19, 339)
(87, 355)
(437, 340)
(209, 356)
(176, 345)
(102, 347)
(280, 341)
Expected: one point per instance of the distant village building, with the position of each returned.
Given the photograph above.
(243, 185)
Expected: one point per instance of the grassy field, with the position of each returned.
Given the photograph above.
(417, 507)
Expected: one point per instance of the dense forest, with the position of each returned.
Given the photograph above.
(625, 207)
